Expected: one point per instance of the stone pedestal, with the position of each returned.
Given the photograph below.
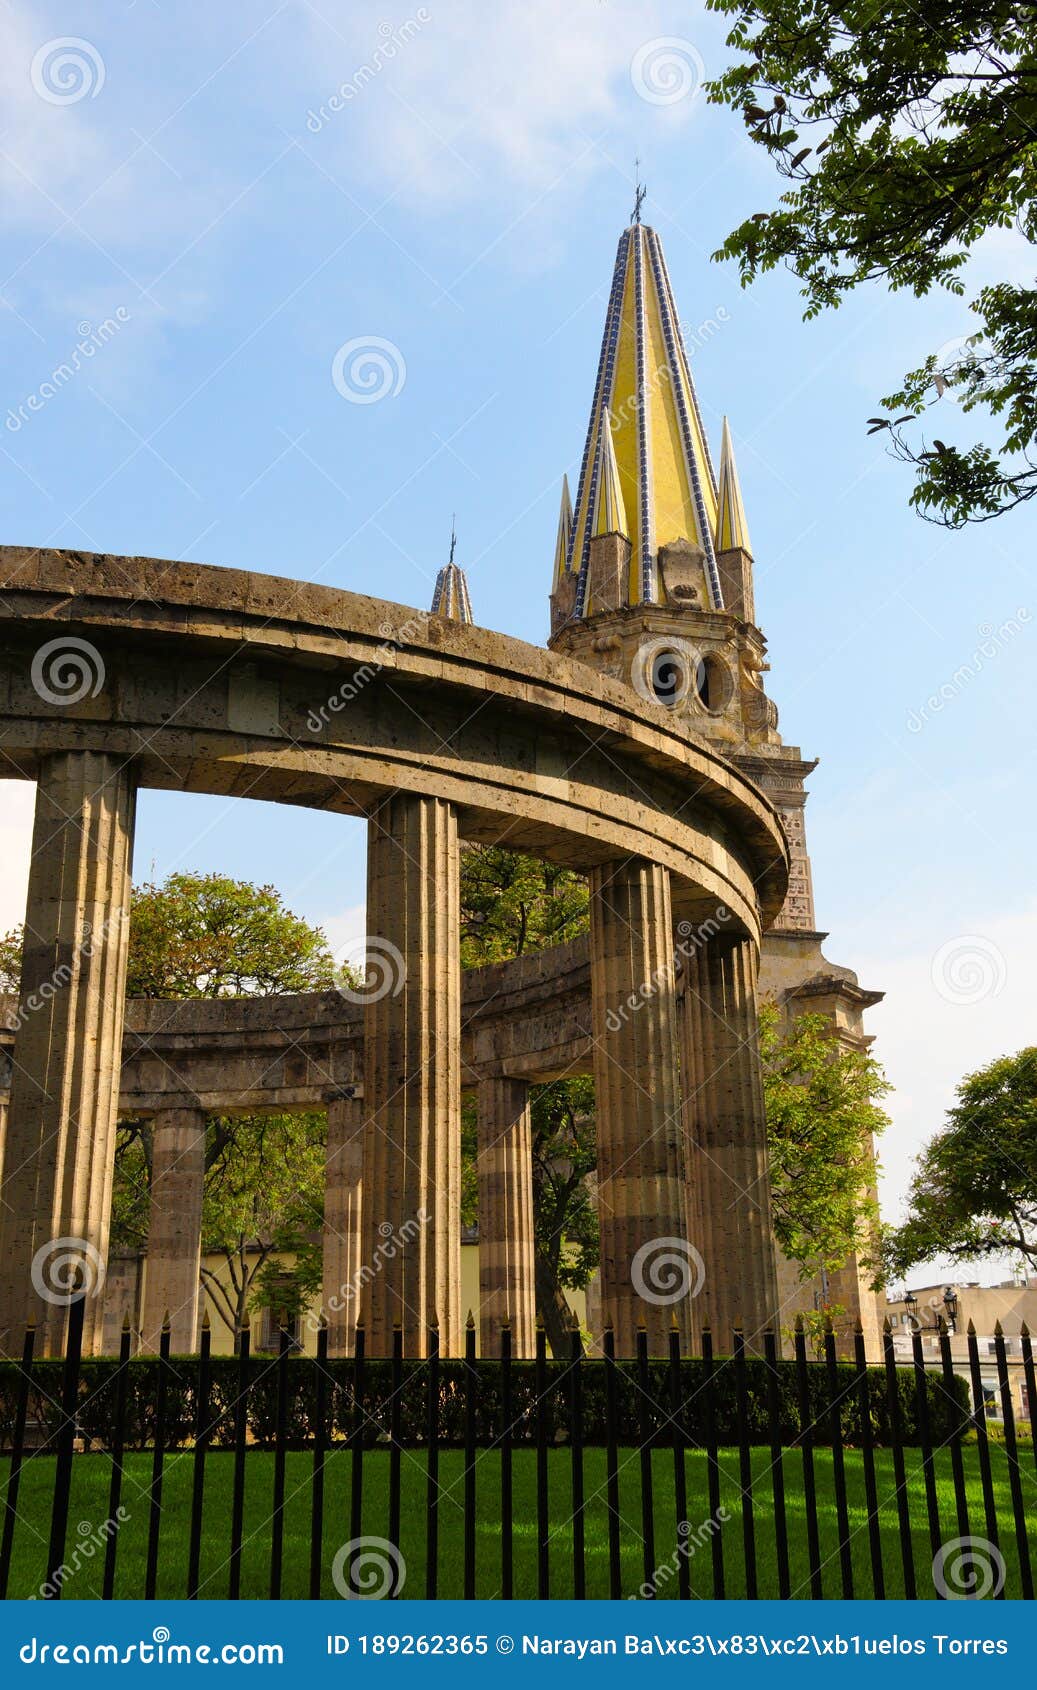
(341, 1245)
(171, 1273)
(411, 1233)
(506, 1263)
(730, 1204)
(59, 1155)
(646, 1272)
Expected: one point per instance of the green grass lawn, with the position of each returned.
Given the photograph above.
(90, 1507)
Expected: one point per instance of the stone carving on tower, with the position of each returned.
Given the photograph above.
(653, 585)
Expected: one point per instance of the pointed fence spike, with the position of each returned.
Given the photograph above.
(470, 1322)
(126, 1321)
(1024, 1330)
(887, 1324)
(166, 1321)
(799, 1323)
(971, 1329)
(206, 1322)
(999, 1330)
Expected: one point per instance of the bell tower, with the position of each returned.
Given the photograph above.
(653, 586)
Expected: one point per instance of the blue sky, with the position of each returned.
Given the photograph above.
(180, 171)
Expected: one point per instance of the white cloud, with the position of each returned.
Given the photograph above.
(953, 1003)
(476, 100)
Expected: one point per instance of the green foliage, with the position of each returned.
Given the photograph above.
(906, 136)
(948, 1408)
(208, 936)
(821, 1119)
(511, 904)
(11, 959)
(974, 1190)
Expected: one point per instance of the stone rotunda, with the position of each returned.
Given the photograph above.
(639, 748)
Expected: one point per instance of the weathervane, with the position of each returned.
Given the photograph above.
(640, 193)
(453, 536)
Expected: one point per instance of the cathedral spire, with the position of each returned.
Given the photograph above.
(609, 514)
(565, 528)
(732, 528)
(450, 598)
(663, 467)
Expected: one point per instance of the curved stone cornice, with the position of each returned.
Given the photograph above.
(220, 680)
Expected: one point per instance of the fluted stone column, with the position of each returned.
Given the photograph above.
(172, 1270)
(646, 1276)
(411, 1254)
(60, 1150)
(341, 1249)
(727, 1131)
(506, 1263)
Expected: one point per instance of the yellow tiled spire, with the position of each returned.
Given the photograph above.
(732, 528)
(565, 528)
(609, 514)
(664, 472)
(450, 597)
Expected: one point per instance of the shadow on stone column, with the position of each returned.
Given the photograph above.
(60, 1151)
(727, 1141)
(411, 1203)
(173, 1265)
(341, 1244)
(646, 1274)
(506, 1260)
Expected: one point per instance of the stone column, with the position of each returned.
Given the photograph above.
(60, 1150)
(411, 1251)
(172, 1268)
(646, 1275)
(506, 1264)
(341, 1248)
(727, 1141)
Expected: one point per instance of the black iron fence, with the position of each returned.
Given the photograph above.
(724, 1474)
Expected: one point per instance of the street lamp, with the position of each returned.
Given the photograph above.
(950, 1304)
(911, 1303)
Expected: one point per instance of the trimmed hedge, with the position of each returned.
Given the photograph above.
(949, 1414)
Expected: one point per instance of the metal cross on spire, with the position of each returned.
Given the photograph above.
(453, 536)
(640, 193)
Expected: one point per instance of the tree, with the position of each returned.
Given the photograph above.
(822, 1117)
(974, 1188)
(512, 903)
(906, 135)
(209, 936)
(566, 1234)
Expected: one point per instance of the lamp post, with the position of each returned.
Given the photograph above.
(911, 1303)
(950, 1304)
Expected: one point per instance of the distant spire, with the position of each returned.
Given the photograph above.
(609, 514)
(732, 528)
(450, 598)
(565, 528)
